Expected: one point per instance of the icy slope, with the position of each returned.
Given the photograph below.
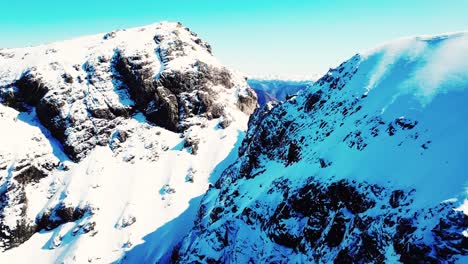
(106, 139)
(368, 165)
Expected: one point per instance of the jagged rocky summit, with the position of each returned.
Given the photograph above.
(106, 138)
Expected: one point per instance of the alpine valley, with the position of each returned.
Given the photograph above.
(138, 146)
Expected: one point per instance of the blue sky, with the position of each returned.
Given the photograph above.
(294, 37)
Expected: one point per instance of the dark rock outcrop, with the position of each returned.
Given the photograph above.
(176, 95)
(285, 197)
(112, 94)
(59, 215)
(31, 88)
(30, 174)
(168, 98)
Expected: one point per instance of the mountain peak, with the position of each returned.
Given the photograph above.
(117, 133)
(363, 166)
(163, 70)
(132, 146)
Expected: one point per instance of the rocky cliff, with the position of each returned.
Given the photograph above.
(106, 138)
(366, 166)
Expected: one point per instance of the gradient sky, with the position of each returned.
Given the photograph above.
(289, 38)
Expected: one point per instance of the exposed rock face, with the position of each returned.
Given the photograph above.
(171, 78)
(362, 167)
(176, 95)
(30, 88)
(348, 171)
(59, 215)
(93, 127)
(14, 199)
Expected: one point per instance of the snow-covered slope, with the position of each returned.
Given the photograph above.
(106, 139)
(368, 166)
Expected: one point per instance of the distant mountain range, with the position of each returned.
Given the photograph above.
(138, 146)
(277, 90)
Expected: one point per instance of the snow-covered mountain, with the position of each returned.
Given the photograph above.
(130, 147)
(273, 90)
(366, 166)
(107, 138)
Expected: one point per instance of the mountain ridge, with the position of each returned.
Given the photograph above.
(136, 148)
(120, 133)
(364, 166)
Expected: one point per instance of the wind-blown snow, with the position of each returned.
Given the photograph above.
(439, 64)
(393, 117)
(424, 79)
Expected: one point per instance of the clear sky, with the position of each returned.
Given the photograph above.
(286, 37)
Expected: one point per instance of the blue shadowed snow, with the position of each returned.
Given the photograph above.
(31, 119)
(158, 244)
(231, 158)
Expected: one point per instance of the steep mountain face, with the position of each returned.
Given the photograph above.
(365, 166)
(276, 90)
(107, 138)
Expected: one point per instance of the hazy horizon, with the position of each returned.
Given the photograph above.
(300, 38)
